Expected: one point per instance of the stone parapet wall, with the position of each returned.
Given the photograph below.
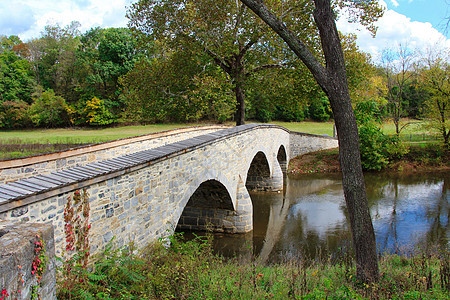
(15, 169)
(144, 201)
(17, 252)
(140, 197)
(302, 143)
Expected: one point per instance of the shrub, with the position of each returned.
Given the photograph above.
(371, 144)
(49, 110)
(377, 149)
(14, 114)
(319, 109)
(96, 113)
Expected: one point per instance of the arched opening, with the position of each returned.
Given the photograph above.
(282, 159)
(258, 174)
(209, 208)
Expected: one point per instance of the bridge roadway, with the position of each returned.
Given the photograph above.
(197, 183)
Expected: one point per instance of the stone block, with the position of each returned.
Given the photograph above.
(17, 244)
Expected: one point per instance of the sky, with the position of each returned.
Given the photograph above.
(418, 23)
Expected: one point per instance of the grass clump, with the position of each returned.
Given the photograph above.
(190, 270)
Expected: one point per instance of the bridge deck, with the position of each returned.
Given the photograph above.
(24, 188)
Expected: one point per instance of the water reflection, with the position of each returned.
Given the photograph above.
(309, 217)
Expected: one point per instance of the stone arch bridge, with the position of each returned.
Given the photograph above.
(142, 188)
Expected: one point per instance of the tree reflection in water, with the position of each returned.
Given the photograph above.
(309, 218)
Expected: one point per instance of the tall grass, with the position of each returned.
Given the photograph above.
(190, 270)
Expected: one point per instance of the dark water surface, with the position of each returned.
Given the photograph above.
(309, 217)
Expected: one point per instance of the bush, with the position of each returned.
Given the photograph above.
(319, 109)
(377, 149)
(14, 114)
(49, 110)
(371, 144)
(290, 114)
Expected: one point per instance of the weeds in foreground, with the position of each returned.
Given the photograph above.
(190, 270)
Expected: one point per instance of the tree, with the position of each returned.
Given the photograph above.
(16, 78)
(435, 75)
(231, 36)
(104, 55)
(332, 78)
(95, 113)
(360, 70)
(14, 114)
(175, 86)
(398, 71)
(53, 57)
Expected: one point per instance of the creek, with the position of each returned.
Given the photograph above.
(309, 218)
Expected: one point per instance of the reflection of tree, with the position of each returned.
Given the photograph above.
(439, 217)
(280, 234)
(388, 192)
(279, 209)
(392, 231)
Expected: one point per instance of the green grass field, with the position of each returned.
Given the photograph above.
(74, 135)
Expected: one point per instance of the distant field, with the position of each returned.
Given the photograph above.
(320, 128)
(71, 135)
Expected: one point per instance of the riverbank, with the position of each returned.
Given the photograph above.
(190, 270)
(420, 158)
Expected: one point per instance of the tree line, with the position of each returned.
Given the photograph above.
(209, 71)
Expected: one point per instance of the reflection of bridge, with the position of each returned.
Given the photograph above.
(144, 191)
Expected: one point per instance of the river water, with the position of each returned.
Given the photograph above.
(309, 217)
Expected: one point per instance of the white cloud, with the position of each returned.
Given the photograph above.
(34, 15)
(394, 2)
(394, 29)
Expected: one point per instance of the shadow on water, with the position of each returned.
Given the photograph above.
(309, 217)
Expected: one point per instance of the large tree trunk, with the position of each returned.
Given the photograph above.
(240, 105)
(350, 158)
(333, 80)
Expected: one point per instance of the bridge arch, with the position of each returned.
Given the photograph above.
(258, 172)
(282, 158)
(215, 204)
(264, 174)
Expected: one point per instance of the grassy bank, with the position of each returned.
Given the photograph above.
(421, 157)
(191, 271)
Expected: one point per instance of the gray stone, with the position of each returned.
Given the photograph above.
(19, 212)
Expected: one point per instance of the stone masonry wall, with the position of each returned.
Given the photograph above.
(11, 170)
(16, 258)
(146, 203)
(301, 143)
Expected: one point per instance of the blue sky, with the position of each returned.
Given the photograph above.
(420, 23)
(433, 11)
